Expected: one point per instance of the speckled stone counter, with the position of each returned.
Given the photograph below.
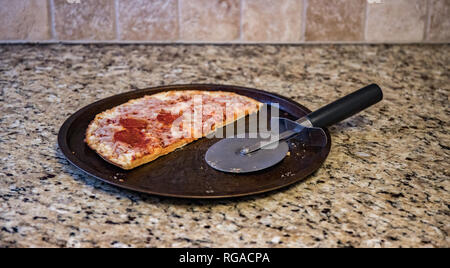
(385, 183)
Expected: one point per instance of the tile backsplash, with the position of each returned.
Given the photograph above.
(225, 21)
(335, 20)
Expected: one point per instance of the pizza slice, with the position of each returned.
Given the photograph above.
(143, 129)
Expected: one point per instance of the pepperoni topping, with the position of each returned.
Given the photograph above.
(166, 117)
(133, 123)
(132, 136)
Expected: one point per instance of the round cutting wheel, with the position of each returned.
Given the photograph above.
(226, 155)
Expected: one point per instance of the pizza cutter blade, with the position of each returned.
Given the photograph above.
(258, 151)
(252, 152)
(226, 155)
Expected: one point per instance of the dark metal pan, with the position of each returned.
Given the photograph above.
(184, 173)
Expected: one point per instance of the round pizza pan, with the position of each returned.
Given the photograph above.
(184, 172)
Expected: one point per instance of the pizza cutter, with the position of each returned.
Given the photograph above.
(257, 151)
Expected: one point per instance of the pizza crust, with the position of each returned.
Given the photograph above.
(128, 162)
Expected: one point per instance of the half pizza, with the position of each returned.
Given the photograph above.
(143, 129)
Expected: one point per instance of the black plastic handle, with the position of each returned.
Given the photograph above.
(346, 106)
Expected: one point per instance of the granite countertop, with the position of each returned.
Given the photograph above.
(385, 183)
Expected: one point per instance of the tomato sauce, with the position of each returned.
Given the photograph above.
(166, 117)
(184, 98)
(132, 133)
(133, 123)
(132, 136)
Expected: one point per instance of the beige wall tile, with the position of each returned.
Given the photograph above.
(148, 20)
(87, 20)
(335, 20)
(272, 21)
(24, 20)
(396, 21)
(209, 20)
(439, 28)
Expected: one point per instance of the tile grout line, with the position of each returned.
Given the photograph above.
(179, 20)
(51, 7)
(366, 20)
(116, 19)
(304, 19)
(427, 22)
(240, 19)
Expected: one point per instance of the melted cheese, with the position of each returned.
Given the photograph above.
(194, 115)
